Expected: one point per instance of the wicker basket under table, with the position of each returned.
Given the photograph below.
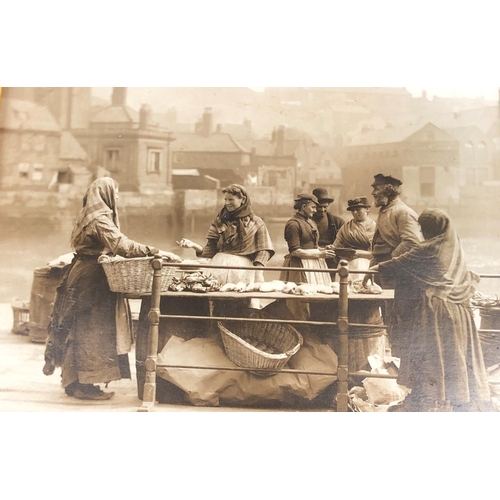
(281, 337)
(135, 275)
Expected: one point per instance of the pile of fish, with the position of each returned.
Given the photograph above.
(200, 282)
(358, 287)
(282, 286)
(481, 300)
(196, 281)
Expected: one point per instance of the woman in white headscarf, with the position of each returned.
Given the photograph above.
(83, 330)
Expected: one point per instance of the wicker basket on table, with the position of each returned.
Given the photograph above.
(246, 344)
(135, 275)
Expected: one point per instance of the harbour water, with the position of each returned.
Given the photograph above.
(28, 245)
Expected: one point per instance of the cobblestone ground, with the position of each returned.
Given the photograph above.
(24, 388)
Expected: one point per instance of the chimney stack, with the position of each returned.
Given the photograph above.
(207, 122)
(144, 116)
(279, 149)
(119, 95)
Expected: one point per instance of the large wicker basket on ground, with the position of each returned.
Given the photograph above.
(282, 339)
(135, 275)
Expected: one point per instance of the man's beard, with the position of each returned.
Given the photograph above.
(319, 215)
(381, 201)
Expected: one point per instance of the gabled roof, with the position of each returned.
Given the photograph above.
(238, 131)
(213, 143)
(70, 148)
(115, 114)
(461, 133)
(265, 147)
(16, 114)
(385, 136)
(483, 118)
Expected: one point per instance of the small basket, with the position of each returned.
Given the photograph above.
(281, 337)
(21, 315)
(135, 275)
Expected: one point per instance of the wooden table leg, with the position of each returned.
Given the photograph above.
(149, 392)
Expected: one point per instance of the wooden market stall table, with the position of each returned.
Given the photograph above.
(362, 309)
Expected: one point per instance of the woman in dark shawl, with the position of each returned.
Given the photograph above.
(83, 330)
(441, 356)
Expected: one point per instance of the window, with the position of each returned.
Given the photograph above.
(469, 152)
(37, 172)
(39, 142)
(112, 159)
(427, 182)
(482, 154)
(154, 161)
(23, 169)
(26, 142)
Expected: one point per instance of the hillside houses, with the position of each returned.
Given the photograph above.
(334, 137)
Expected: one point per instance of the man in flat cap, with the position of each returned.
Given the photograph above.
(397, 232)
(397, 228)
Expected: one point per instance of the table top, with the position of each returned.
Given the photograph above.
(316, 297)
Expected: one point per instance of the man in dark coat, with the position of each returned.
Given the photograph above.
(397, 232)
(328, 224)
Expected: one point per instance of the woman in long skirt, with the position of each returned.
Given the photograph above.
(441, 356)
(89, 327)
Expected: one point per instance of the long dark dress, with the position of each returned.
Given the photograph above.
(83, 327)
(441, 356)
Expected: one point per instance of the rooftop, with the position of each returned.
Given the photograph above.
(70, 148)
(16, 114)
(213, 143)
(115, 114)
(385, 136)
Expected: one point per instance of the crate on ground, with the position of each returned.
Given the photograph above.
(21, 316)
(135, 275)
(246, 343)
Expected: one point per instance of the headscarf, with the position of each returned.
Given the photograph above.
(235, 231)
(100, 199)
(438, 263)
(243, 211)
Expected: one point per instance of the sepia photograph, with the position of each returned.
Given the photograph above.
(311, 248)
(272, 227)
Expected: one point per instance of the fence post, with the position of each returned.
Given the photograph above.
(343, 326)
(149, 394)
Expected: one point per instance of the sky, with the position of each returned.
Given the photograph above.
(473, 92)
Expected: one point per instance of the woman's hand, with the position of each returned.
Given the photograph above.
(327, 254)
(185, 243)
(171, 257)
(369, 277)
